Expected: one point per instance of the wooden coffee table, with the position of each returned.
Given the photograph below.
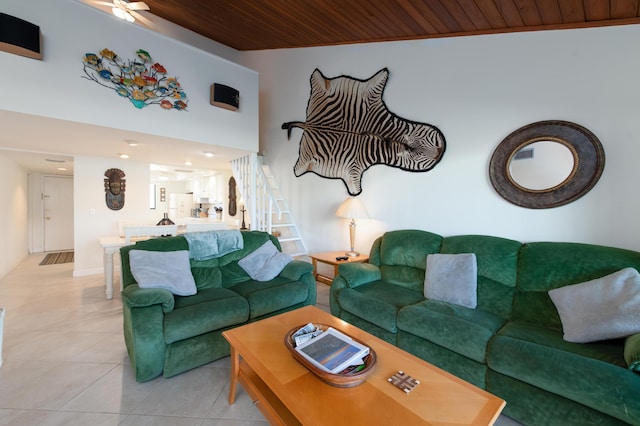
(289, 394)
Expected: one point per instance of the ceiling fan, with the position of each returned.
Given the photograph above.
(123, 9)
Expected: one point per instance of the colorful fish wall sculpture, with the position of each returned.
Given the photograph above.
(140, 80)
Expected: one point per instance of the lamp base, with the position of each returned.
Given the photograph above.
(352, 254)
(243, 227)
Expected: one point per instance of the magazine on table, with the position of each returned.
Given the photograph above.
(333, 351)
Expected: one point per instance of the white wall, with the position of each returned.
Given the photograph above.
(13, 215)
(477, 90)
(93, 219)
(54, 87)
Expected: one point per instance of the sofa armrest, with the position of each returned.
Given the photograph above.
(295, 269)
(350, 275)
(136, 297)
(632, 352)
(355, 274)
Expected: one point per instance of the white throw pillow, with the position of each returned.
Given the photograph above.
(600, 309)
(452, 278)
(265, 263)
(163, 269)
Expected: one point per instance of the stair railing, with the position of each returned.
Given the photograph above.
(259, 197)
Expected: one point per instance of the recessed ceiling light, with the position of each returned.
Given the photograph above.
(208, 154)
(124, 155)
(62, 169)
(132, 143)
(188, 163)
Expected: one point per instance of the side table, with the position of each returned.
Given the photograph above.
(330, 259)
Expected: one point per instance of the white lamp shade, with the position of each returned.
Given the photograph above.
(352, 208)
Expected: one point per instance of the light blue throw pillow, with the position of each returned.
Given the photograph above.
(163, 269)
(600, 309)
(265, 263)
(452, 278)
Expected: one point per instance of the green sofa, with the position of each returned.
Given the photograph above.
(512, 343)
(167, 334)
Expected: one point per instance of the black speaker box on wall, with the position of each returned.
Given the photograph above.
(225, 97)
(19, 37)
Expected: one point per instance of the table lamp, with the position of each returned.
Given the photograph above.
(242, 209)
(352, 208)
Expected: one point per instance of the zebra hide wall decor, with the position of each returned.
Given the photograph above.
(349, 129)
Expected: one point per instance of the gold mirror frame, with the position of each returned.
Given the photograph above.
(588, 164)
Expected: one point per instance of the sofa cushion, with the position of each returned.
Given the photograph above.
(231, 272)
(271, 296)
(251, 241)
(545, 266)
(452, 278)
(408, 247)
(593, 374)
(403, 257)
(404, 276)
(459, 365)
(265, 263)
(600, 309)
(462, 330)
(378, 302)
(209, 310)
(213, 244)
(155, 244)
(170, 270)
(206, 277)
(497, 261)
(531, 406)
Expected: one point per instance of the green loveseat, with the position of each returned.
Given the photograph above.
(511, 343)
(167, 334)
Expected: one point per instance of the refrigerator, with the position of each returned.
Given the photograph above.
(180, 206)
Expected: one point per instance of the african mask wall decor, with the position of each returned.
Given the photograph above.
(114, 186)
(232, 196)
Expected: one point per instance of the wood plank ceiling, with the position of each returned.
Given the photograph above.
(272, 24)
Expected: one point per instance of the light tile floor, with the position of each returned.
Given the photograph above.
(65, 362)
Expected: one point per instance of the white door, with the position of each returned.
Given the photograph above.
(58, 213)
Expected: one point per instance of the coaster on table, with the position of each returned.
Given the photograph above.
(403, 381)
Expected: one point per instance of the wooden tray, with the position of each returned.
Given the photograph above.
(338, 380)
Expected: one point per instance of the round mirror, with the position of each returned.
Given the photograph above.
(540, 166)
(546, 164)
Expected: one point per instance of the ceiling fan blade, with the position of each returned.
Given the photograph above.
(138, 5)
(98, 3)
(144, 21)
